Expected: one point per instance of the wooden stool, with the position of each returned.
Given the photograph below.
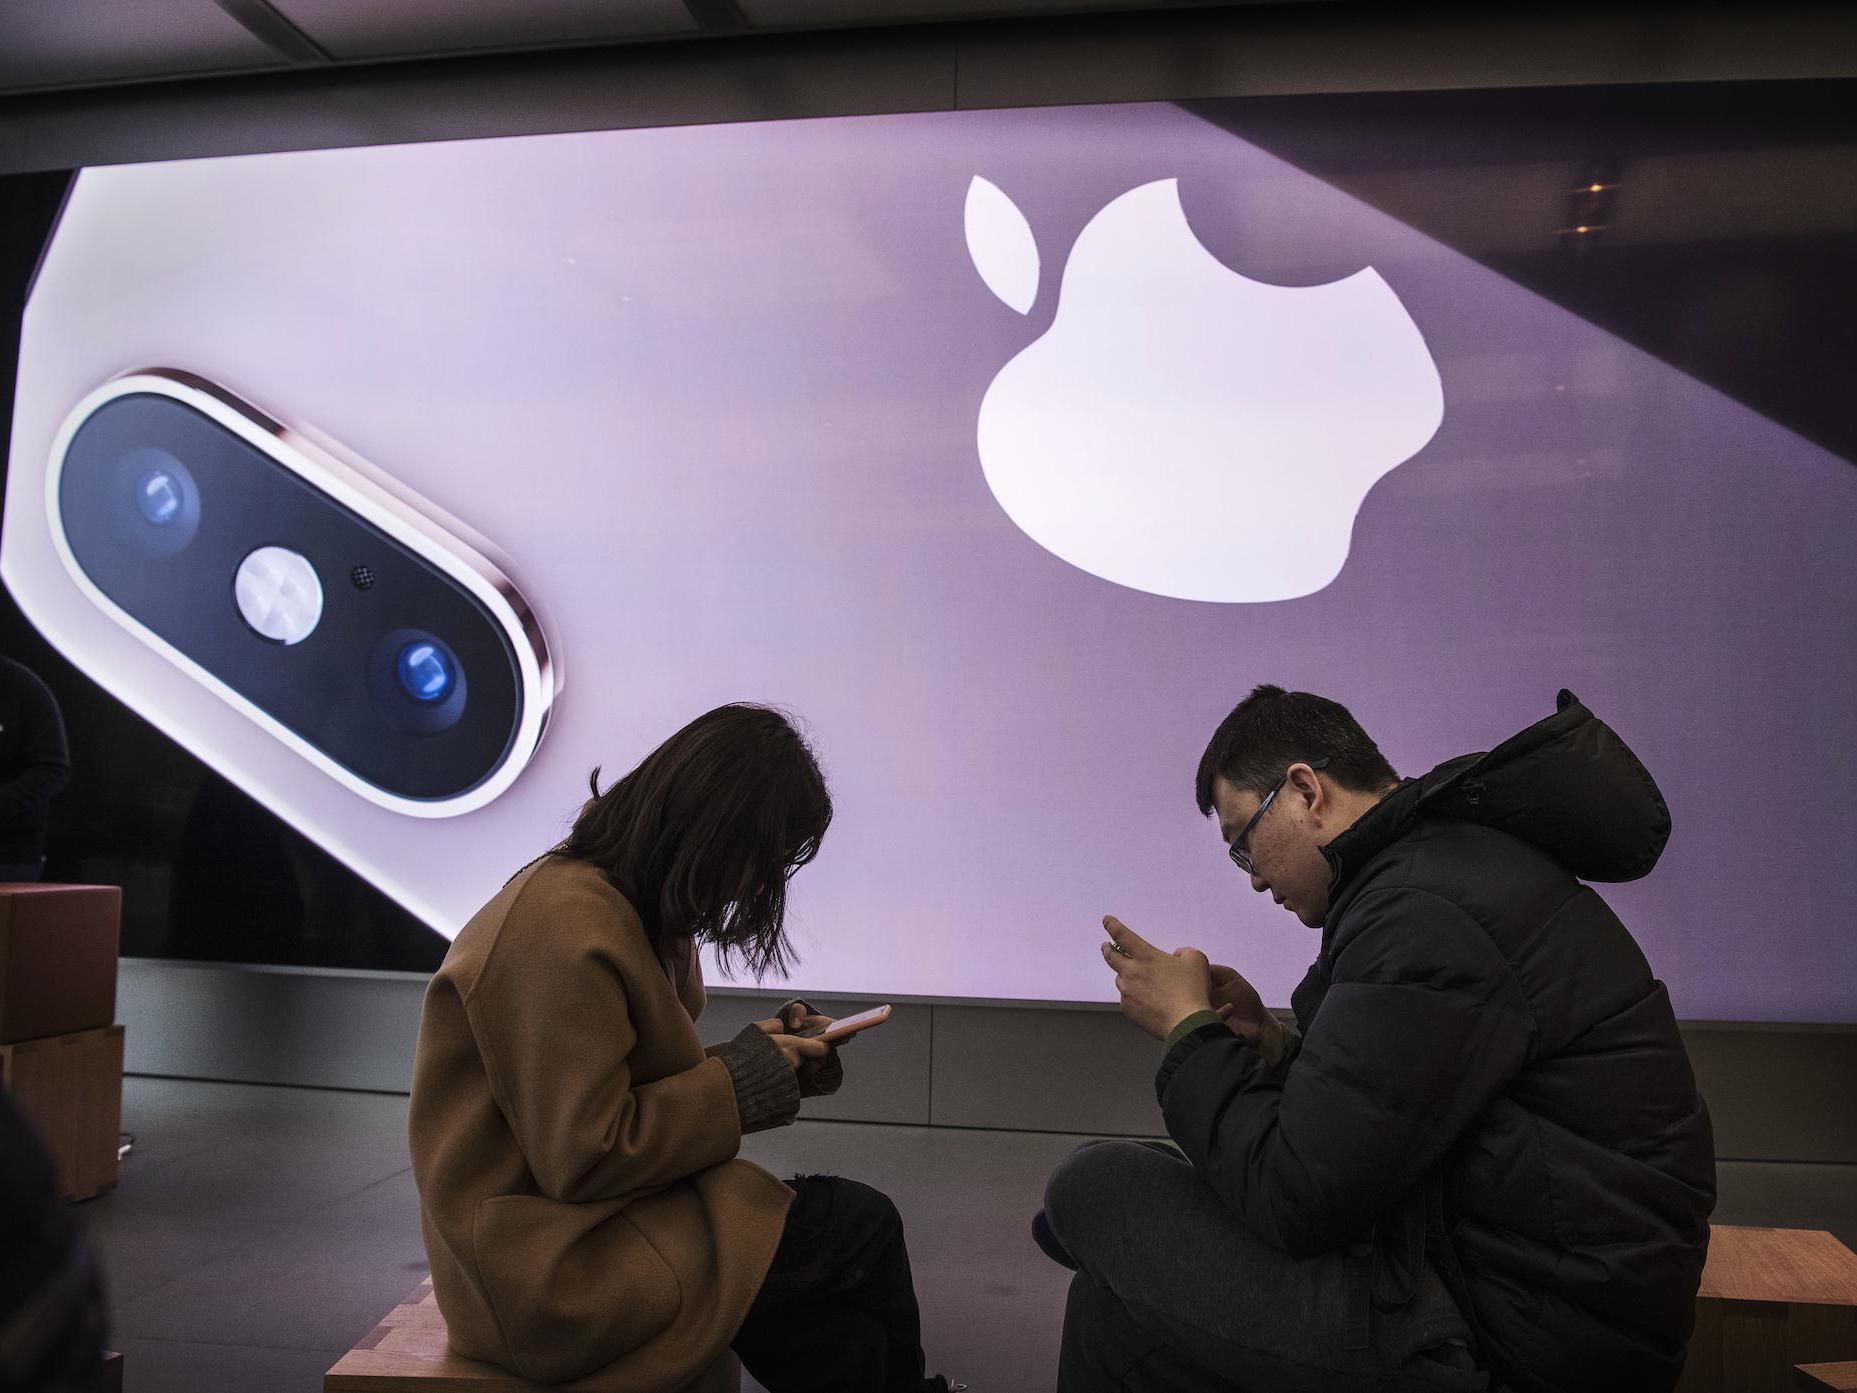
(60, 1058)
(1816, 1378)
(71, 1087)
(1770, 1299)
(406, 1353)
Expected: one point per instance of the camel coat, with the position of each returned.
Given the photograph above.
(574, 1147)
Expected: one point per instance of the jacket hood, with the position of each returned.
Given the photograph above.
(1566, 784)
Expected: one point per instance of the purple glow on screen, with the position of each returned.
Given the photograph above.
(722, 395)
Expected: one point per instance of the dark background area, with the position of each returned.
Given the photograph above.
(1721, 237)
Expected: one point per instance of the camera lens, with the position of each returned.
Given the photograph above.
(154, 502)
(417, 684)
(425, 671)
(158, 494)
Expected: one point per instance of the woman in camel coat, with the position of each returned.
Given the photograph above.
(587, 1219)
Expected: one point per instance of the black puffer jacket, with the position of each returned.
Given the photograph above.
(1488, 1073)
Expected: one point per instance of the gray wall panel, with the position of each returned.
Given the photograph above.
(1084, 1070)
(356, 1030)
(1777, 1093)
(321, 1029)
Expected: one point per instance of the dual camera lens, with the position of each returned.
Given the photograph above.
(414, 679)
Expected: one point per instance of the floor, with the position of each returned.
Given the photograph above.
(257, 1232)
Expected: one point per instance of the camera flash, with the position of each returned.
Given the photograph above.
(278, 594)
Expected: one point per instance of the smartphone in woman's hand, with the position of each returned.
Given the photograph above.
(847, 1027)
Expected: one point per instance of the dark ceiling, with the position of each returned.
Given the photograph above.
(90, 43)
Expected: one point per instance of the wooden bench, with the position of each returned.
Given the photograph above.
(1817, 1378)
(1770, 1299)
(407, 1353)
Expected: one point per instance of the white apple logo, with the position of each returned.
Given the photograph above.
(1180, 429)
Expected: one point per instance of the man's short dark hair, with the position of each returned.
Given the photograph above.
(1272, 729)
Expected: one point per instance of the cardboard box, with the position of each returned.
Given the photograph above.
(58, 947)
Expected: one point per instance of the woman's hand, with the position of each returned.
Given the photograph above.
(797, 1050)
(795, 1018)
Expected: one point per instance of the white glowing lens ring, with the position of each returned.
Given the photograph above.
(279, 594)
(398, 515)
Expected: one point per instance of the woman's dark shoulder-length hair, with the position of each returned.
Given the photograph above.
(704, 834)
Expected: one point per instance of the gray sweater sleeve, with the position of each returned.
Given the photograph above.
(767, 1093)
(817, 1077)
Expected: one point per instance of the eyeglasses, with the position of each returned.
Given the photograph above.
(1240, 849)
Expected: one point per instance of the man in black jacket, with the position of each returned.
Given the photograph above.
(34, 765)
(1479, 1160)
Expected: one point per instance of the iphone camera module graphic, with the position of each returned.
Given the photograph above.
(350, 621)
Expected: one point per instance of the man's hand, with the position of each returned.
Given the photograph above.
(1159, 990)
(1243, 1009)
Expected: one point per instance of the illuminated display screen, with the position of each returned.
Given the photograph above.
(1007, 449)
